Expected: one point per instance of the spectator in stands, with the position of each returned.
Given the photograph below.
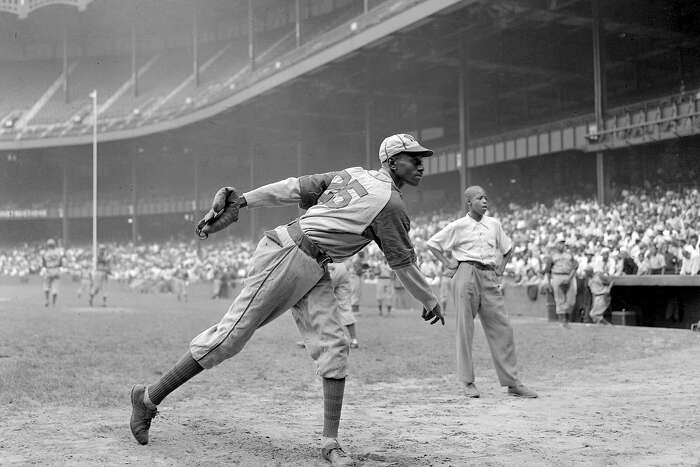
(656, 263)
(671, 258)
(627, 265)
(690, 262)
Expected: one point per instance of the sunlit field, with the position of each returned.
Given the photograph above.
(608, 395)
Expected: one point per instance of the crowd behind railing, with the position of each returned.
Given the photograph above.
(645, 232)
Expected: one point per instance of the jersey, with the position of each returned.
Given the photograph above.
(103, 262)
(563, 263)
(350, 208)
(52, 260)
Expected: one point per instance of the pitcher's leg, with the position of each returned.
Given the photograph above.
(273, 286)
(321, 324)
(280, 275)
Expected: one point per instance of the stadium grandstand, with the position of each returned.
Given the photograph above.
(542, 102)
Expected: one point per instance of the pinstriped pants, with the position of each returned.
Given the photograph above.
(281, 277)
(477, 291)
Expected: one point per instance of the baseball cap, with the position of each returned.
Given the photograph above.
(399, 143)
(50, 242)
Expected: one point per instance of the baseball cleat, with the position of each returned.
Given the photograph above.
(470, 390)
(141, 415)
(335, 455)
(522, 391)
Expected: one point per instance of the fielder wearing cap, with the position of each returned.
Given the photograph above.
(51, 264)
(561, 269)
(345, 210)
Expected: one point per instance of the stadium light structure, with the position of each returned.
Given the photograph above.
(93, 96)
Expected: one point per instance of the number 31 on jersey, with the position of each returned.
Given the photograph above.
(338, 194)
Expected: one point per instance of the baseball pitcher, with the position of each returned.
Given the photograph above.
(346, 210)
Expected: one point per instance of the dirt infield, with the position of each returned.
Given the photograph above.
(608, 396)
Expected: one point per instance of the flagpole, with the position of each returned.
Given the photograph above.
(93, 95)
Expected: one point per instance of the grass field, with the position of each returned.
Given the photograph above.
(608, 395)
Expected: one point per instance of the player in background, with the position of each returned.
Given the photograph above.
(85, 280)
(385, 289)
(51, 264)
(181, 283)
(346, 210)
(560, 269)
(99, 282)
(357, 271)
(342, 292)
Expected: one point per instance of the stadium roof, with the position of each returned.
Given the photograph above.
(529, 61)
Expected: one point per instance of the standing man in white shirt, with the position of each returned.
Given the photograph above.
(480, 251)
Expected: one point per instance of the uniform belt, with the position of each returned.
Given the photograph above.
(478, 265)
(306, 245)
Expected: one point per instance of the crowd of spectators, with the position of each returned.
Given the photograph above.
(644, 232)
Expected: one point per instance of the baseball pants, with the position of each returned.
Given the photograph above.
(599, 307)
(99, 284)
(281, 277)
(356, 289)
(385, 292)
(51, 283)
(564, 297)
(477, 291)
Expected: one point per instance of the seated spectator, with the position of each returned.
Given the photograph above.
(655, 260)
(671, 258)
(627, 265)
(690, 261)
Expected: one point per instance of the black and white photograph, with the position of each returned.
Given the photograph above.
(372, 233)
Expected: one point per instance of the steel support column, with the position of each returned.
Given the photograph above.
(300, 150)
(66, 94)
(134, 199)
(134, 67)
(195, 183)
(369, 115)
(463, 105)
(599, 90)
(65, 233)
(251, 158)
(251, 35)
(297, 12)
(368, 131)
(195, 46)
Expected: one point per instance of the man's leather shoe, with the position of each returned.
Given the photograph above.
(470, 390)
(521, 390)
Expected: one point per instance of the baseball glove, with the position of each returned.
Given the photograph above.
(223, 212)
